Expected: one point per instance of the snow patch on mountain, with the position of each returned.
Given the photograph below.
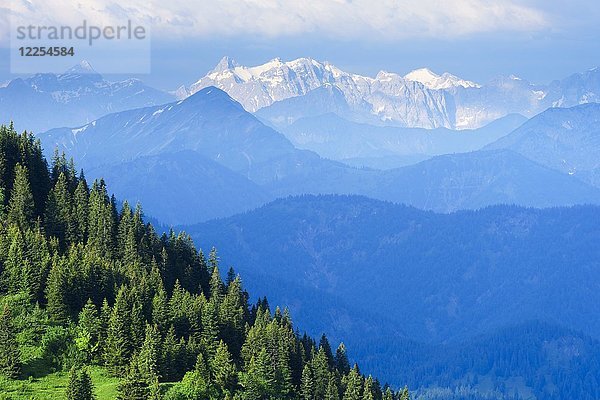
(432, 80)
(387, 98)
(421, 98)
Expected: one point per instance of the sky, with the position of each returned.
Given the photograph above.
(538, 40)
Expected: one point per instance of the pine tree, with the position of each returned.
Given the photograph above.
(404, 394)
(172, 357)
(324, 344)
(10, 355)
(80, 385)
(233, 316)
(88, 332)
(388, 394)
(369, 389)
(101, 221)
(223, 369)
(333, 391)
(149, 354)
(320, 369)
(217, 288)
(80, 209)
(354, 383)
(119, 347)
(58, 216)
(210, 328)
(259, 381)
(307, 386)
(57, 290)
(341, 360)
(155, 392)
(134, 386)
(21, 207)
(160, 310)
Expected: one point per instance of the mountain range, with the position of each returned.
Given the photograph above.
(567, 140)
(334, 137)
(420, 98)
(78, 96)
(428, 278)
(263, 162)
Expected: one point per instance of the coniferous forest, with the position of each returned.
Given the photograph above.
(87, 285)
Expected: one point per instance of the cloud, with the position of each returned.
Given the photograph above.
(344, 19)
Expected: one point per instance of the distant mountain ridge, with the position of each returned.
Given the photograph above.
(439, 278)
(80, 95)
(420, 98)
(565, 139)
(233, 147)
(334, 137)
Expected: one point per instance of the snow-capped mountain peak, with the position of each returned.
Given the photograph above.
(83, 67)
(431, 80)
(423, 75)
(386, 97)
(385, 76)
(421, 98)
(225, 64)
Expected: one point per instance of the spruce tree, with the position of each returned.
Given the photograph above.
(223, 369)
(324, 344)
(388, 394)
(80, 385)
(307, 386)
(210, 328)
(119, 346)
(10, 355)
(217, 288)
(259, 380)
(404, 394)
(160, 310)
(354, 385)
(369, 389)
(333, 392)
(88, 332)
(57, 290)
(341, 360)
(149, 354)
(171, 362)
(80, 209)
(21, 207)
(230, 276)
(155, 391)
(2, 199)
(58, 216)
(105, 313)
(101, 221)
(197, 384)
(320, 369)
(134, 385)
(17, 274)
(233, 315)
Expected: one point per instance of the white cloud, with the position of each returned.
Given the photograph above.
(347, 19)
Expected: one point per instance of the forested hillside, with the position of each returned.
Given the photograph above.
(415, 289)
(88, 285)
